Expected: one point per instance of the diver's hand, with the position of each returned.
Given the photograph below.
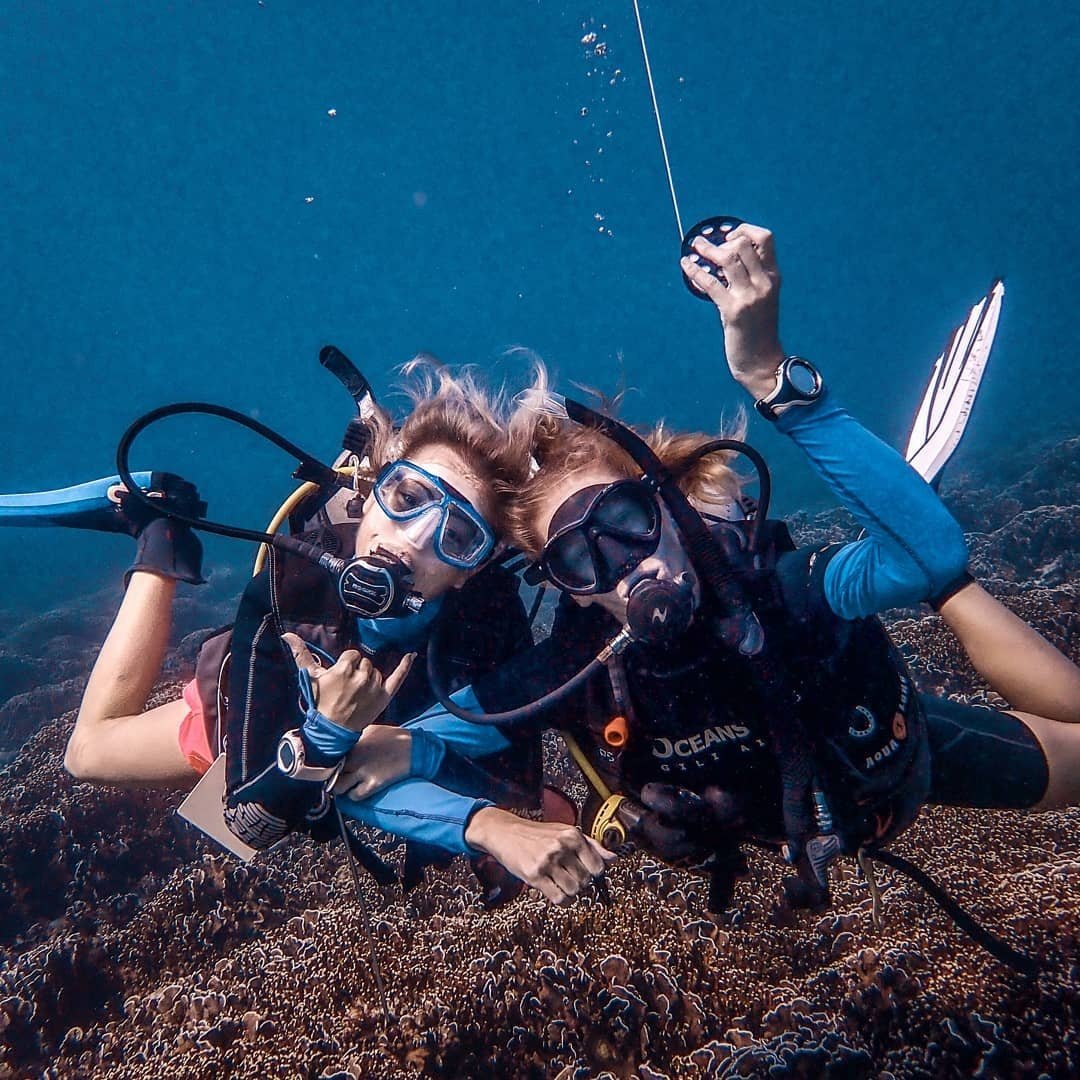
(559, 860)
(352, 693)
(382, 757)
(749, 304)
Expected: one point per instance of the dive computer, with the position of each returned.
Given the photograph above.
(798, 382)
(291, 760)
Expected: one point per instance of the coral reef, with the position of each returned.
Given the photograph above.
(132, 948)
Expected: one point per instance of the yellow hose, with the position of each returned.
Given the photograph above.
(286, 508)
(585, 765)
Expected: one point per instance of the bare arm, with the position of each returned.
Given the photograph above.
(1013, 657)
(114, 741)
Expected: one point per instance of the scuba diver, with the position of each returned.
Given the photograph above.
(426, 513)
(726, 686)
(313, 658)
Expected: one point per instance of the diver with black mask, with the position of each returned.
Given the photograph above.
(758, 699)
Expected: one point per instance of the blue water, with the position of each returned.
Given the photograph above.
(183, 218)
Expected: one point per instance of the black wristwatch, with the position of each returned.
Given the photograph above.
(798, 382)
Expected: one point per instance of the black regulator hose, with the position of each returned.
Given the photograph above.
(309, 468)
(656, 611)
(508, 716)
(760, 467)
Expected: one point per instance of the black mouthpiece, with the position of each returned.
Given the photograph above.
(658, 612)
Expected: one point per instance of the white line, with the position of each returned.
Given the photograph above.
(659, 125)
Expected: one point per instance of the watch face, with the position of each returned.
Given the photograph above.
(286, 756)
(803, 378)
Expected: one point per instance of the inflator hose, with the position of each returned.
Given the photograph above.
(507, 716)
(309, 468)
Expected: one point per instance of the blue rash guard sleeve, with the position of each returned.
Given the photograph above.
(419, 810)
(469, 740)
(914, 548)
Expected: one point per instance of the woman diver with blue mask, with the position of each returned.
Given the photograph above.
(313, 659)
(724, 684)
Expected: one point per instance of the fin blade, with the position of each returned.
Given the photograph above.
(946, 406)
(62, 506)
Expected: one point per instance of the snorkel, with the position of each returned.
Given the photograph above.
(371, 586)
(657, 611)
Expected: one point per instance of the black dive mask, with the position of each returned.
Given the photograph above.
(378, 586)
(598, 535)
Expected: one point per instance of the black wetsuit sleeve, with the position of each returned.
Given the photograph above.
(488, 631)
(800, 575)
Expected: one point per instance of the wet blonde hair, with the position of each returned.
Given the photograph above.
(561, 448)
(453, 410)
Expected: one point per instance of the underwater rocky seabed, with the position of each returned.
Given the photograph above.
(131, 948)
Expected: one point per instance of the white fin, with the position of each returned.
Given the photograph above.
(946, 404)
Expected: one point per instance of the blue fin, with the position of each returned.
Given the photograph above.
(93, 505)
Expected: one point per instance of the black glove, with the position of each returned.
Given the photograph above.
(696, 828)
(162, 545)
(168, 548)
